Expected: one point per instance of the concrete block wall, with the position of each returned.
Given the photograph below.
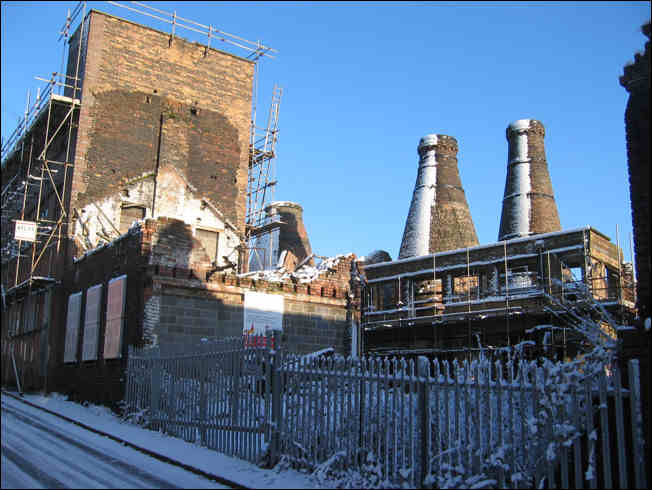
(181, 306)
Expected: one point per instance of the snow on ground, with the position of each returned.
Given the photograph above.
(243, 472)
(40, 450)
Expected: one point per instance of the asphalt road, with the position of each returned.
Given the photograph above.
(43, 451)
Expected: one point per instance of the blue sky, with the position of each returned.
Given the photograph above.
(364, 81)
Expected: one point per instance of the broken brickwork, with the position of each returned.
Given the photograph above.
(160, 137)
(148, 102)
(175, 298)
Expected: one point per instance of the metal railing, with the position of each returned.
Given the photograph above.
(402, 421)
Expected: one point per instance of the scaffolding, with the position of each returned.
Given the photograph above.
(261, 180)
(41, 150)
(261, 175)
(38, 157)
(506, 286)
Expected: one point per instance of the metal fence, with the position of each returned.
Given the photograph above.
(405, 421)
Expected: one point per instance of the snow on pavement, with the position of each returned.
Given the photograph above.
(210, 461)
(40, 450)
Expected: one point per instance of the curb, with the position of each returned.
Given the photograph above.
(155, 455)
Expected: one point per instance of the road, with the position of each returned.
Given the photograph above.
(40, 450)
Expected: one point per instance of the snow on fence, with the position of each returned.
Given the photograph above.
(216, 398)
(399, 421)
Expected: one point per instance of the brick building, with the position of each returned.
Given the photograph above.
(638, 343)
(134, 177)
(447, 296)
(450, 302)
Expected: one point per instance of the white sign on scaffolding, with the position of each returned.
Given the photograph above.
(25, 230)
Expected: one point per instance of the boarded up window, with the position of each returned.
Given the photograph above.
(92, 322)
(209, 241)
(128, 215)
(115, 310)
(72, 327)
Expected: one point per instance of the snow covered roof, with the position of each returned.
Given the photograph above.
(490, 245)
(304, 274)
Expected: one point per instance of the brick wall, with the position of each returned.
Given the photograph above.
(637, 344)
(544, 217)
(100, 381)
(181, 305)
(451, 226)
(636, 80)
(147, 102)
(316, 315)
(293, 236)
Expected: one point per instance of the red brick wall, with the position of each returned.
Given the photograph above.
(451, 226)
(544, 217)
(146, 101)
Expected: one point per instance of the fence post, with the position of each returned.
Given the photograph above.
(155, 390)
(423, 373)
(637, 423)
(202, 397)
(276, 404)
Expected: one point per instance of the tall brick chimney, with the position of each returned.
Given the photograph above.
(439, 218)
(529, 206)
(636, 80)
(292, 237)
